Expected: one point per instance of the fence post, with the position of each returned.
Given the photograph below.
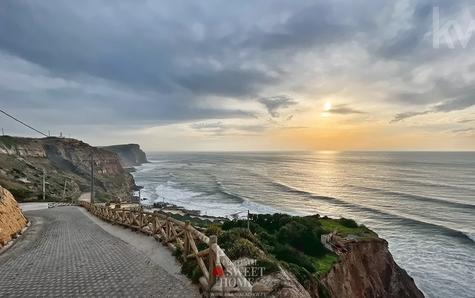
(186, 248)
(213, 239)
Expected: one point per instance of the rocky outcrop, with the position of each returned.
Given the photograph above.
(366, 268)
(67, 164)
(12, 220)
(281, 284)
(130, 154)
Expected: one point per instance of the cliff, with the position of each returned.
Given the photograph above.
(67, 164)
(12, 220)
(130, 154)
(366, 268)
(314, 256)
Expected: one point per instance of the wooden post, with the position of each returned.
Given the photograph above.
(186, 248)
(213, 239)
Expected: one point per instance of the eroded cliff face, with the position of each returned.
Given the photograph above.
(366, 268)
(12, 220)
(130, 154)
(67, 163)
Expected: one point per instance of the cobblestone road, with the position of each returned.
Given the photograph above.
(65, 254)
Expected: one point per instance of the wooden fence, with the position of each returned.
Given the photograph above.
(220, 275)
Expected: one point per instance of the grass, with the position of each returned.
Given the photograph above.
(324, 264)
(330, 225)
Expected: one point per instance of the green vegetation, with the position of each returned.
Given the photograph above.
(8, 141)
(191, 269)
(345, 227)
(21, 193)
(291, 241)
(324, 264)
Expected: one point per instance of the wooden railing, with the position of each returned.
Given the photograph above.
(220, 275)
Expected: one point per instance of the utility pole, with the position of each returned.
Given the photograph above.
(92, 177)
(3, 133)
(248, 218)
(64, 190)
(44, 185)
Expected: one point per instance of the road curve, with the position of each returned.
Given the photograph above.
(64, 253)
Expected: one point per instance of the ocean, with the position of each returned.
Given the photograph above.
(422, 203)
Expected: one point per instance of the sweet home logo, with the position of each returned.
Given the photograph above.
(452, 33)
(244, 277)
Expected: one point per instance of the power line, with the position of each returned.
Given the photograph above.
(18, 120)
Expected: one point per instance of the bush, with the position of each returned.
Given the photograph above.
(349, 223)
(270, 222)
(178, 254)
(241, 223)
(304, 236)
(21, 193)
(244, 248)
(302, 275)
(269, 265)
(191, 269)
(229, 238)
(214, 229)
(291, 255)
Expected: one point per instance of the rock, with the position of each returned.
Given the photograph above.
(24, 159)
(281, 284)
(130, 154)
(366, 268)
(12, 220)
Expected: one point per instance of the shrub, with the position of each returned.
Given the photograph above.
(270, 222)
(302, 275)
(267, 240)
(178, 254)
(21, 193)
(191, 269)
(269, 265)
(243, 248)
(229, 238)
(303, 235)
(349, 223)
(214, 229)
(291, 255)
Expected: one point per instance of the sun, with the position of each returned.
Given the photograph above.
(327, 106)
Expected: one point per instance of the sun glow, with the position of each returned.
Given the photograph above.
(327, 106)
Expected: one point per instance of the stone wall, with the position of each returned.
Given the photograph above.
(12, 220)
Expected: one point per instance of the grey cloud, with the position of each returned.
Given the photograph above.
(464, 130)
(344, 109)
(220, 128)
(444, 107)
(225, 82)
(154, 63)
(406, 115)
(276, 103)
(456, 104)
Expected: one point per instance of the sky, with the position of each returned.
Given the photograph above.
(242, 75)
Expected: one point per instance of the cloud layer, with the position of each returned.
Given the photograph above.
(233, 64)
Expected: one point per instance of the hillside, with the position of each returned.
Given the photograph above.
(67, 164)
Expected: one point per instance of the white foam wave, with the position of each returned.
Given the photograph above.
(206, 204)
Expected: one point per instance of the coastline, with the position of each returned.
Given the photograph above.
(435, 264)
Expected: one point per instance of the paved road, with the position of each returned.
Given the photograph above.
(64, 253)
